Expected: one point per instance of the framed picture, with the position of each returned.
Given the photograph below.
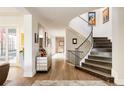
(46, 39)
(74, 41)
(105, 14)
(61, 43)
(92, 18)
(35, 37)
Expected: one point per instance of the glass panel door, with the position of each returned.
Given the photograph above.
(8, 46)
(2, 45)
(12, 46)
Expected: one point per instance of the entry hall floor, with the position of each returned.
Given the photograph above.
(60, 70)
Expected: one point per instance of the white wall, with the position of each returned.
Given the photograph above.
(70, 34)
(118, 45)
(80, 26)
(11, 21)
(100, 29)
(103, 30)
(56, 32)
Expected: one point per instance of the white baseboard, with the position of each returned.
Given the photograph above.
(29, 74)
(117, 80)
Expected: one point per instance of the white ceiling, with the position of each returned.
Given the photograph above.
(54, 19)
(58, 17)
(9, 11)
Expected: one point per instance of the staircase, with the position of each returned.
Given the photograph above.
(99, 62)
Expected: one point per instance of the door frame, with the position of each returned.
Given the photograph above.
(57, 44)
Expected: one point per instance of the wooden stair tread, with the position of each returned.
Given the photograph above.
(102, 45)
(103, 42)
(100, 66)
(99, 37)
(101, 53)
(94, 50)
(104, 61)
(100, 56)
(102, 48)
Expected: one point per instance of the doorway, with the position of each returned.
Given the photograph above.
(8, 45)
(59, 44)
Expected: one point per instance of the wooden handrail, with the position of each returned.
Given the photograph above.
(88, 35)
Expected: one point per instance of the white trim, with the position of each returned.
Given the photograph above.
(117, 80)
(29, 74)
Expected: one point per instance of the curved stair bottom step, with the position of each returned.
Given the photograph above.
(105, 77)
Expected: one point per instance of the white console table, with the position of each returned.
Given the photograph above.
(43, 64)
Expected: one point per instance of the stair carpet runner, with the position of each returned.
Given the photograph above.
(99, 62)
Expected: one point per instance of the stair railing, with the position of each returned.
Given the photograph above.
(71, 54)
(85, 46)
(77, 55)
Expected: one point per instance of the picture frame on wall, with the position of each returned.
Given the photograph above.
(74, 41)
(36, 37)
(105, 14)
(92, 18)
(46, 39)
(61, 43)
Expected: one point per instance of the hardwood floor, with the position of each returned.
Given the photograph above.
(60, 70)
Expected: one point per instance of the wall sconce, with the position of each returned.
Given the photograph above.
(74, 40)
